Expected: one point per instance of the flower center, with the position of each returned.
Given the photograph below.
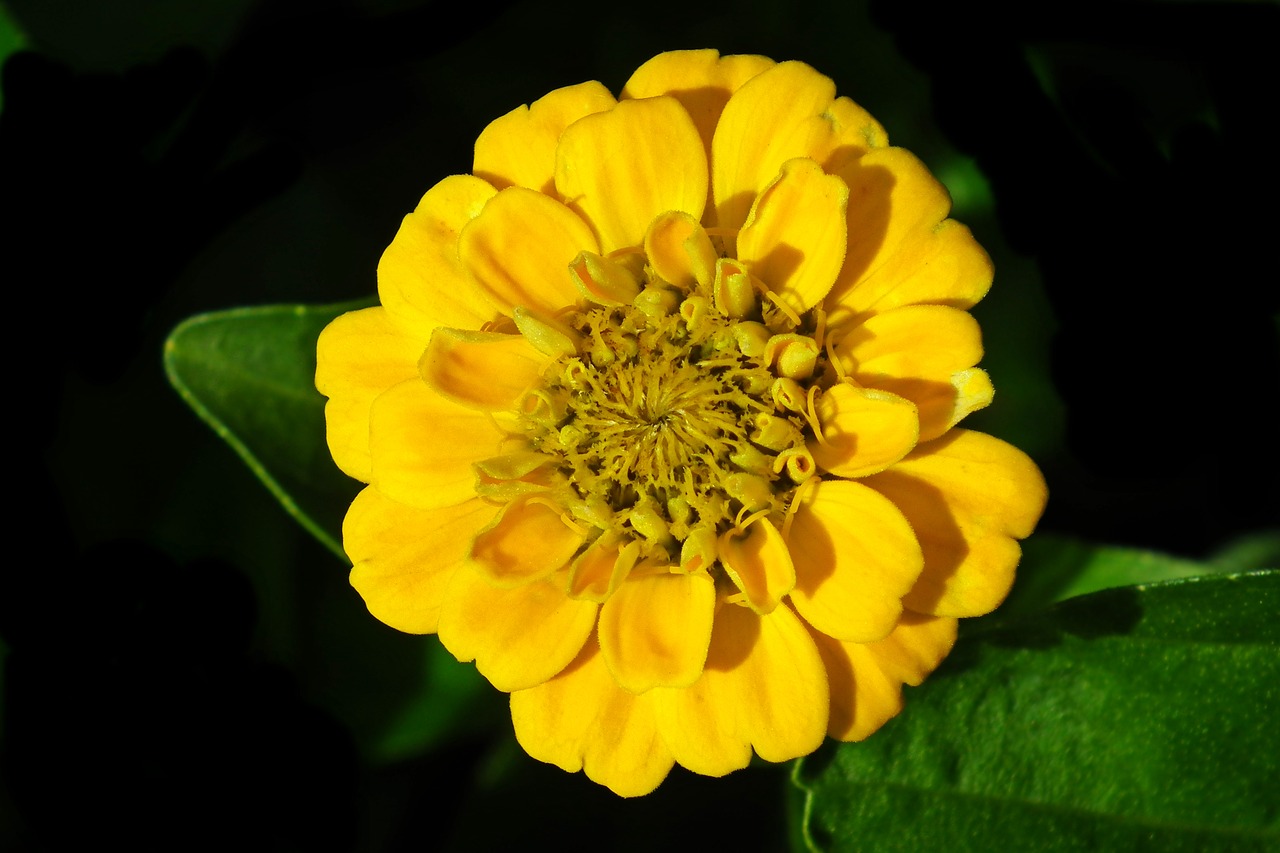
(674, 420)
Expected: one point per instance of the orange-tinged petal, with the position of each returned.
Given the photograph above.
(804, 119)
(680, 251)
(598, 570)
(403, 558)
(519, 637)
(582, 720)
(655, 628)
(422, 446)
(620, 169)
(764, 686)
(855, 557)
(358, 356)
(701, 80)
(519, 149)
(489, 371)
(527, 541)
(794, 238)
(866, 679)
(758, 562)
(518, 251)
(968, 496)
(864, 430)
(420, 279)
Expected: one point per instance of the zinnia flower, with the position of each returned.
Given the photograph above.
(658, 416)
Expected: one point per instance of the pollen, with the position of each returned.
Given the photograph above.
(680, 415)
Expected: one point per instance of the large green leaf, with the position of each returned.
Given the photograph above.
(1140, 718)
(249, 373)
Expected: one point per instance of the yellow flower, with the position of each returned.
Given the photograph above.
(658, 420)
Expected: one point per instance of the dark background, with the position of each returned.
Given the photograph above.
(183, 668)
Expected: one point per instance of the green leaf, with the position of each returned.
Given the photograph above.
(250, 374)
(1139, 718)
(1055, 568)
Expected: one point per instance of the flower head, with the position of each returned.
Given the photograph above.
(658, 416)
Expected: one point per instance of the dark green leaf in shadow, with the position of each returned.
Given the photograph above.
(1139, 718)
(250, 374)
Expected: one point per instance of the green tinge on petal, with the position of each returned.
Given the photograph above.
(655, 628)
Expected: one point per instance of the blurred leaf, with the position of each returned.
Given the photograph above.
(1055, 568)
(1139, 718)
(249, 373)
(12, 39)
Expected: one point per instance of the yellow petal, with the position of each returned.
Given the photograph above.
(866, 679)
(358, 356)
(528, 540)
(855, 557)
(620, 169)
(759, 564)
(582, 720)
(518, 250)
(902, 249)
(518, 637)
(489, 371)
(764, 686)
(924, 353)
(422, 446)
(655, 628)
(968, 496)
(701, 80)
(598, 570)
(403, 558)
(680, 251)
(863, 430)
(420, 278)
(519, 149)
(794, 238)
(804, 119)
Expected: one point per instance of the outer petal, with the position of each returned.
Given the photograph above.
(655, 628)
(582, 720)
(701, 80)
(422, 446)
(484, 370)
(528, 541)
(794, 238)
(804, 119)
(969, 497)
(620, 169)
(896, 211)
(863, 430)
(518, 637)
(855, 558)
(358, 356)
(518, 251)
(918, 352)
(519, 149)
(764, 686)
(866, 679)
(403, 558)
(420, 279)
